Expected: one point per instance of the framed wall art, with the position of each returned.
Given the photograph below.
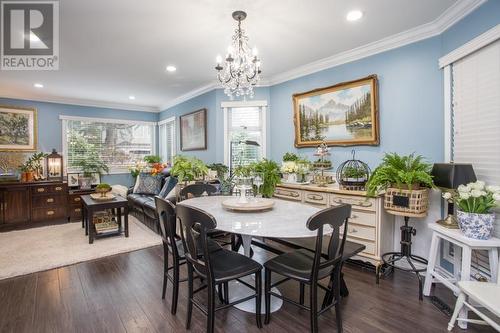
(18, 129)
(345, 114)
(193, 130)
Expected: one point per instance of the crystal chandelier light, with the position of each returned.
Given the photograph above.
(241, 68)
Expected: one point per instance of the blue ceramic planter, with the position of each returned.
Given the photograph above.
(477, 226)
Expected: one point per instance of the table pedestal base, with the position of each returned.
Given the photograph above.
(238, 290)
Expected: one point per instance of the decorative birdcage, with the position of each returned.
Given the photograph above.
(353, 174)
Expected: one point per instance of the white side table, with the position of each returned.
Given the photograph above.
(462, 248)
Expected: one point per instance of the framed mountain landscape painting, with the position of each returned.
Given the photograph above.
(345, 114)
(17, 129)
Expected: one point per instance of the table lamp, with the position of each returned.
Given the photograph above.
(448, 176)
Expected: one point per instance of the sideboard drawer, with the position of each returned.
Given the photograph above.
(288, 194)
(75, 213)
(75, 199)
(46, 189)
(357, 202)
(370, 246)
(360, 231)
(317, 198)
(364, 218)
(48, 200)
(49, 213)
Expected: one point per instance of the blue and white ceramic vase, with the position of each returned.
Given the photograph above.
(477, 226)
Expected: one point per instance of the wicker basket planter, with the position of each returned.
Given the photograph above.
(413, 202)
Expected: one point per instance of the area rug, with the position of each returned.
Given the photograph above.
(38, 249)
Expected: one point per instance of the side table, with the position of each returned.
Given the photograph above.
(462, 249)
(90, 206)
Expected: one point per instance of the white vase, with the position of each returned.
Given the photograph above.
(477, 226)
(291, 177)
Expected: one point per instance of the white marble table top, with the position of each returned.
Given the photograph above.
(285, 220)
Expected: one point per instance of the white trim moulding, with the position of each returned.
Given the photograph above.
(108, 120)
(471, 46)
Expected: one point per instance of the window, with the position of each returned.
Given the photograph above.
(475, 97)
(167, 139)
(244, 132)
(118, 143)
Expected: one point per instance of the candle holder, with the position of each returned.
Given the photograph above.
(54, 166)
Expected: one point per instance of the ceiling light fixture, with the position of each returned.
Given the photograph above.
(354, 15)
(38, 85)
(171, 68)
(131, 97)
(241, 68)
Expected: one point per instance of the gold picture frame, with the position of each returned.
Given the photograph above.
(18, 128)
(345, 114)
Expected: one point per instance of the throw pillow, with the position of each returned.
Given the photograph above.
(147, 184)
(170, 183)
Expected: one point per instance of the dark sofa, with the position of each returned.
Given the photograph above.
(142, 206)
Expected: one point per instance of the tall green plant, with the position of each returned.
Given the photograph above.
(188, 168)
(400, 171)
(270, 171)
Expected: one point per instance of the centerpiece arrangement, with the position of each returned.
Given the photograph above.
(32, 169)
(102, 193)
(295, 169)
(149, 164)
(406, 181)
(321, 165)
(475, 203)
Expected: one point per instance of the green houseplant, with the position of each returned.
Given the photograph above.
(89, 165)
(226, 180)
(402, 172)
(270, 172)
(188, 169)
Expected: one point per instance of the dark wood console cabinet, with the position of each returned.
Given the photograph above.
(22, 204)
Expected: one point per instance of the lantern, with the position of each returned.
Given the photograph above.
(54, 166)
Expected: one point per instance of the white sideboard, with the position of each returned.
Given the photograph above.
(369, 224)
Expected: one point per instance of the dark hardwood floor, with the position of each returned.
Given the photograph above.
(122, 294)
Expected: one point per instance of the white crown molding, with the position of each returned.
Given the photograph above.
(108, 120)
(452, 15)
(84, 102)
(193, 93)
(473, 45)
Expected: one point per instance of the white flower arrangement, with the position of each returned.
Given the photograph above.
(289, 167)
(475, 197)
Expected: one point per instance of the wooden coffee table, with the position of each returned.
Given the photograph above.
(90, 206)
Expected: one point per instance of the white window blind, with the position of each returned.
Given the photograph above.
(245, 135)
(476, 113)
(167, 139)
(118, 143)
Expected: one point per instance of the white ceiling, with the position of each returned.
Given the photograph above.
(115, 48)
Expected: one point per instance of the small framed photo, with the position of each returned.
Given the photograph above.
(73, 179)
(96, 178)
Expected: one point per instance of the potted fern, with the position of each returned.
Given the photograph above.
(405, 181)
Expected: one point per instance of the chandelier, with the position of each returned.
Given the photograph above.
(241, 68)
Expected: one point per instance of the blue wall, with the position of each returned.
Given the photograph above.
(50, 130)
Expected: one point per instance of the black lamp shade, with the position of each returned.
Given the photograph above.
(451, 175)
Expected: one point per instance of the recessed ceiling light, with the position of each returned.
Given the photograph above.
(38, 85)
(171, 68)
(354, 15)
(131, 97)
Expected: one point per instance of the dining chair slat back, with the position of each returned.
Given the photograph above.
(167, 219)
(195, 224)
(197, 190)
(335, 217)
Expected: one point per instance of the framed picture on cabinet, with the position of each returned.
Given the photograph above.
(73, 179)
(18, 128)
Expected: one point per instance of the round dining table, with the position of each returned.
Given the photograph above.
(286, 219)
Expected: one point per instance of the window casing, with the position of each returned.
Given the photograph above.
(166, 137)
(244, 126)
(118, 143)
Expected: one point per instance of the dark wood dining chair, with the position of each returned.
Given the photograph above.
(309, 268)
(217, 269)
(172, 244)
(198, 190)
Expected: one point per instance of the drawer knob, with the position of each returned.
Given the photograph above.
(58, 188)
(315, 197)
(354, 216)
(77, 199)
(50, 212)
(50, 200)
(338, 201)
(40, 189)
(78, 210)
